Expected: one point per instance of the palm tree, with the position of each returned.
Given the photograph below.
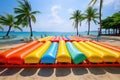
(100, 13)
(77, 17)
(25, 14)
(8, 20)
(91, 15)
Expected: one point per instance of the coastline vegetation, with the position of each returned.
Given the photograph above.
(112, 23)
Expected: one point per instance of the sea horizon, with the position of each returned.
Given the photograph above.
(46, 33)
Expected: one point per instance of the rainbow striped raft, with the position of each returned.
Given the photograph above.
(65, 51)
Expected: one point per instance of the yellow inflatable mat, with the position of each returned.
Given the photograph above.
(35, 56)
(63, 55)
(109, 55)
(91, 55)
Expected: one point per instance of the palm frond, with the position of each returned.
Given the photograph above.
(18, 10)
(92, 2)
(35, 12)
(71, 18)
(33, 18)
(16, 27)
(95, 21)
(1, 28)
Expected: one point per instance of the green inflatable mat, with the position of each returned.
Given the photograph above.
(77, 56)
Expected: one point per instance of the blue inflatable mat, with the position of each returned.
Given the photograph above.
(50, 56)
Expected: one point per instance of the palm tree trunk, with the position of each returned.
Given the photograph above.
(119, 30)
(88, 27)
(8, 30)
(77, 31)
(31, 34)
(100, 17)
(76, 24)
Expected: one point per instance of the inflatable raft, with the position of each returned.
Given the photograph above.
(61, 51)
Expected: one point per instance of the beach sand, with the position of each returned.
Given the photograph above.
(96, 73)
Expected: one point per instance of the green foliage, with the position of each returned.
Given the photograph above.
(111, 22)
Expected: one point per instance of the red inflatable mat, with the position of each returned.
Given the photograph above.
(59, 65)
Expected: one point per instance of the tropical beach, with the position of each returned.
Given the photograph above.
(61, 35)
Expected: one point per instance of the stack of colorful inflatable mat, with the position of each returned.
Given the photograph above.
(66, 51)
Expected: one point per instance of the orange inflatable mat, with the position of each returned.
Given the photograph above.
(18, 58)
(4, 55)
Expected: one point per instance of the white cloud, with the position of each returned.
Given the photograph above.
(54, 17)
(70, 10)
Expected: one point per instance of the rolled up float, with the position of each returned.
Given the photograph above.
(64, 38)
(50, 56)
(90, 54)
(35, 56)
(60, 38)
(56, 39)
(109, 55)
(76, 55)
(63, 55)
(68, 37)
(18, 58)
(52, 38)
(4, 55)
(73, 38)
(45, 39)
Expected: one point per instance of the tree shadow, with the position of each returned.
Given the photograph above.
(46, 72)
(10, 71)
(62, 71)
(97, 70)
(114, 70)
(79, 71)
(28, 71)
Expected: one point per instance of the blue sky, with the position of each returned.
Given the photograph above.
(55, 14)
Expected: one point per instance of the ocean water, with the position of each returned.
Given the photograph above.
(43, 34)
(23, 35)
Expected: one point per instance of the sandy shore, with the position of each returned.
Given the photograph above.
(100, 73)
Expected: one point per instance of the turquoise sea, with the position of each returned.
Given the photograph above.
(43, 34)
(23, 35)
